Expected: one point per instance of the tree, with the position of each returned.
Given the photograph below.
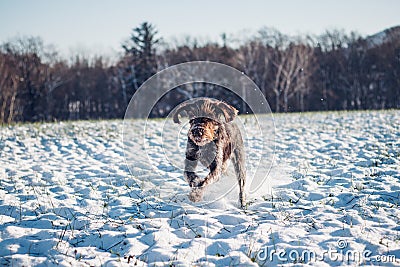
(140, 54)
(254, 59)
(25, 78)
(8, 88)
(296, 72)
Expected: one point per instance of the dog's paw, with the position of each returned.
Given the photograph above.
(196, 182)
(196, 194)
(242, 201)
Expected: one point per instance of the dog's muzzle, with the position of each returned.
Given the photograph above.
(201, 134)
(197, 134)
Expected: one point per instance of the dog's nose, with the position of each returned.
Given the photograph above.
(197, 132)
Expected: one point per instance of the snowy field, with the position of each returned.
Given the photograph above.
(332, 198)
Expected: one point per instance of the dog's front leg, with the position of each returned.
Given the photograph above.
(197, 192)
(216, 168)
(215, 172)
(192, 158)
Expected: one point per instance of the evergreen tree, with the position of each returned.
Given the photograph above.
(140, 51)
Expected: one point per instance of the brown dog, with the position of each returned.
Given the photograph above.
(213, 139)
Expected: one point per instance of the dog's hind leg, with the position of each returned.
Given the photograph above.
(240, 170)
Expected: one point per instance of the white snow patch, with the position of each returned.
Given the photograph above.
(67, 197)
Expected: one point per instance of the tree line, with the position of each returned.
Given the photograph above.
(332, 71)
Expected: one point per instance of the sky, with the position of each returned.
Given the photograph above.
(101, 26)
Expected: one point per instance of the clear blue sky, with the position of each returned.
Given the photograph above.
(102, 25)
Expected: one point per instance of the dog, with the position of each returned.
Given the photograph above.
(213, 139)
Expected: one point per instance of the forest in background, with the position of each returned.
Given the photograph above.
(332, 71)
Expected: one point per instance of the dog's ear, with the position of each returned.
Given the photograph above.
(185, 107)
(228, 111)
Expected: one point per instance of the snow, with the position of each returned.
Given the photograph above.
(67, 197)
(388, 35)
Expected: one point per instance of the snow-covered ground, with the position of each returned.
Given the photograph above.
(332, 197)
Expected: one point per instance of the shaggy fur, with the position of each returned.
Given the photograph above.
(213, 139)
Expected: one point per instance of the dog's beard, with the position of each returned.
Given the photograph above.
(207, 151)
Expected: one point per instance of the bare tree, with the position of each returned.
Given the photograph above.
(253, 59)
(296, 73)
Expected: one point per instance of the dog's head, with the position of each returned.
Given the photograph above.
(206, 116)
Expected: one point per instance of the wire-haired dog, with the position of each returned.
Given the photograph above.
(213, 139)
